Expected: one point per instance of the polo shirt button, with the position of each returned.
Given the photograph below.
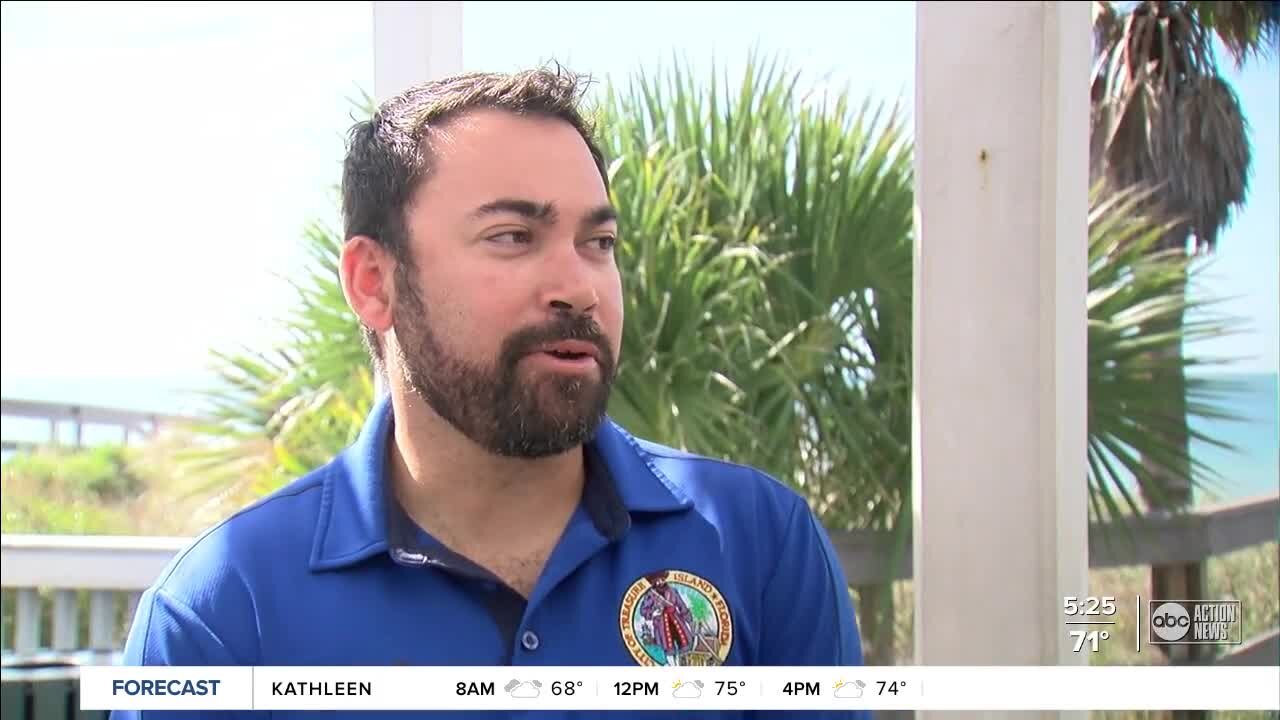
(529, 640)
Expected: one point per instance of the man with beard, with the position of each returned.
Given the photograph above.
(491, 512)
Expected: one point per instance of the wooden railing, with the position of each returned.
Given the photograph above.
(869, 557)
(130, 423)
(1183, 542)
(53, 578)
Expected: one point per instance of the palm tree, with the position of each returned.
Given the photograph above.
(275, 414)
(1135, 285)
(767, 251)
(1164, 118)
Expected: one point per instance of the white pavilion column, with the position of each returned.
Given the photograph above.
(413, 42)
(1000, 515)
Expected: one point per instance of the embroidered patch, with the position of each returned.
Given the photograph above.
(675, 618)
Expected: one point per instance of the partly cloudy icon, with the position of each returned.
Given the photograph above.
(519, 689)
(688, 689)
(850, 689)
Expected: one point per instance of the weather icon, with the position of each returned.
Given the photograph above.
(849, 689)
(687, 689)
(517, 689)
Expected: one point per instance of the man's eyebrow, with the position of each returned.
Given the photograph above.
(600, 215)
(543, 211)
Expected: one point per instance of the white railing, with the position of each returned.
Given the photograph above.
(108, 573)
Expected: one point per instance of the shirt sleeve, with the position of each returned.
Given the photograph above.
(166, 632)
(808, 616)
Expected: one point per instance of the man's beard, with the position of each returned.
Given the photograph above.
(491, 404)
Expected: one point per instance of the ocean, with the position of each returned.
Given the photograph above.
(1251, 468)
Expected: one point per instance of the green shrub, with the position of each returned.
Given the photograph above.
(101, 473)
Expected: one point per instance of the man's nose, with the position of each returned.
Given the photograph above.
(570, 286)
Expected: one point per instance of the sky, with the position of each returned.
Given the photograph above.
(160, 163)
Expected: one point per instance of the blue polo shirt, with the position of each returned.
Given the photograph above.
(668, 554)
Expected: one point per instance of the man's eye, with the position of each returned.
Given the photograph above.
(511, 237)
(607, 242)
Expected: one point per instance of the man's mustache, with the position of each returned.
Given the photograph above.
(565, 327)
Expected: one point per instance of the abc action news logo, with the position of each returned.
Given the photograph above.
(1195, 622)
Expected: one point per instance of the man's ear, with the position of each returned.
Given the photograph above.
(368, 272)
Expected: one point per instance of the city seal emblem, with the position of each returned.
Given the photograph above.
(675, 618)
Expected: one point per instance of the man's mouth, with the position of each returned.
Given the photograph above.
(571, 350)
(569, 356)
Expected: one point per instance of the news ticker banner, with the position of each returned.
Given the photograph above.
(693, 688)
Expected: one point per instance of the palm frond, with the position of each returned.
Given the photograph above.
(1249, 29)
(792, 363)
(1164, 117)
(275, 415)
(1139, 396)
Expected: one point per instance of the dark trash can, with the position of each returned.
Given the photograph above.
(45, 687)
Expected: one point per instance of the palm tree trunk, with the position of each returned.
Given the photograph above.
(1172, 491)
(1171, 487)
(876, 617)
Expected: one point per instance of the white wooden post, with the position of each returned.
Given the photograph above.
(1000, 515)
(26, 621)
(102, 620)
(413, 42)
(66, 620)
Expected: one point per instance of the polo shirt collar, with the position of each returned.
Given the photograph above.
(354, 521)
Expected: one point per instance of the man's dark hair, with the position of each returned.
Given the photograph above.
(388, 154)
